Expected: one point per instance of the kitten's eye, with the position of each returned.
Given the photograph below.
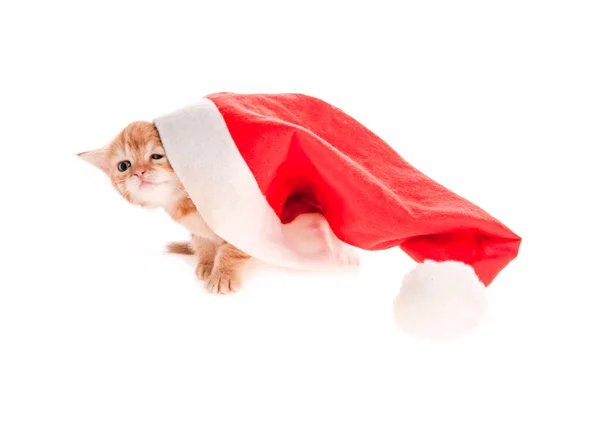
(156, 156)
(124, 165)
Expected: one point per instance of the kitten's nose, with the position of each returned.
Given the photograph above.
(139, 173)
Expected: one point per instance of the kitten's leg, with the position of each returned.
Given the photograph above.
(206, 251)
(228, 270)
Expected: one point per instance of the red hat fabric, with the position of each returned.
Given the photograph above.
(254, 163)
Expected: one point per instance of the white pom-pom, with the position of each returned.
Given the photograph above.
(440, 300)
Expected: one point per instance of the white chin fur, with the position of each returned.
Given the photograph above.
(154, 196)
(440, 300)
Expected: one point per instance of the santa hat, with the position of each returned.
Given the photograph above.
(256, 165)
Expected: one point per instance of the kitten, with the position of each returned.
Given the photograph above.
(139, 170)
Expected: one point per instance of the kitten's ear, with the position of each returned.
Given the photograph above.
(96, 157)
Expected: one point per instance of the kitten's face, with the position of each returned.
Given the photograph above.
(137, 166)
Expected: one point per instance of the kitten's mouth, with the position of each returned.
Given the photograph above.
(148, 184)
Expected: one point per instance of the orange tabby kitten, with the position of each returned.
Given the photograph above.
(136, 164)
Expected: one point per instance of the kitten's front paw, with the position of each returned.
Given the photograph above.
(223, 283)
(203, 270)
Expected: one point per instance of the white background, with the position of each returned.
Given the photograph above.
(499, 101)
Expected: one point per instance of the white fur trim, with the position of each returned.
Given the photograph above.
(440, 300)
(225, 192)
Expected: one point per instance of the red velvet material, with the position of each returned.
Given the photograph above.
(308, 155)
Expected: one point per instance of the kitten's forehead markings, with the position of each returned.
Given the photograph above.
(121, 153)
